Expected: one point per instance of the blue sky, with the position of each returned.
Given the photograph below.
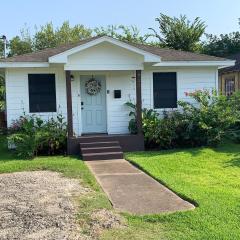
(221, 16)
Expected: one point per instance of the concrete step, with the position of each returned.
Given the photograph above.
(102, 156)
(101, 149)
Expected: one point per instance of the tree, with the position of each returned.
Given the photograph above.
(222, 46)
(123, 33)
(21, 44)
(179, 33)
(48, 37)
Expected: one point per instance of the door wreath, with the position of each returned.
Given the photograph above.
(93, 86)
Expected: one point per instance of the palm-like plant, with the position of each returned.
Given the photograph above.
(179, 33)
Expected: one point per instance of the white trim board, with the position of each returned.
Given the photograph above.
(195, 63)
(23, 64)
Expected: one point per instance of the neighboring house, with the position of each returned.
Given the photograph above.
(89, 83)
(229, 77)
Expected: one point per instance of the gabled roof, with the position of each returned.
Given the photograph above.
(165, 53)
(236, 67)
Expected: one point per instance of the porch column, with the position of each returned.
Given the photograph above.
(139, 101)
(69, 104)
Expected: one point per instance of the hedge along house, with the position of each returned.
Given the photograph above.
(89, 83)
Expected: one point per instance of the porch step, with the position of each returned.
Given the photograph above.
(102, 156)
(99, 144)
(101, 150)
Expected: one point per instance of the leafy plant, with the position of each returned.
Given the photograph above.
(2, 94)
(32, 136)
(205, 122)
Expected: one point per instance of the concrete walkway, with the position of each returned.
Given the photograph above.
(131, 190)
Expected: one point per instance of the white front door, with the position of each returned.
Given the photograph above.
(93, 107)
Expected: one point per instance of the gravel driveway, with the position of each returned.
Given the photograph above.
(38, 205)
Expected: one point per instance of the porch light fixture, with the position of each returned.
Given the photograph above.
(72, 78)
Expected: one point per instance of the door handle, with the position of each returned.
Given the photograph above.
(82, 103)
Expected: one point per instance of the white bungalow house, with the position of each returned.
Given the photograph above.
(89, 82)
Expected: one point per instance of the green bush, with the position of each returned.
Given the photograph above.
(2, 94)
(202, 123)
(32, 136)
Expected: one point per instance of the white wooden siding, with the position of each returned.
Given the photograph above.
(17, 95)
(188, 80)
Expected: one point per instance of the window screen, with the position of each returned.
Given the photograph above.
(229, 86)
(42, 93)
(165, 90)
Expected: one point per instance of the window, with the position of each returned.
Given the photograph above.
(165, 90)
(42, 93)
(229, 86)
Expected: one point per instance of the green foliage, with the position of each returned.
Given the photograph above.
(206, 122)
(21, 44)
(210, 118)
(179, 33)
(123, 33)
(224, 45)
(2, 94)
(32, 136)
(49, 37)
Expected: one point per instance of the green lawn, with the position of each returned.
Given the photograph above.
(208, 177)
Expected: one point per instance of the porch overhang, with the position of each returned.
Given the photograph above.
(103, 67)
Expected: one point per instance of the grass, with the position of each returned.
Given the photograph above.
(71, 167)
(208, 177)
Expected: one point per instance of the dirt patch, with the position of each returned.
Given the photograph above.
(104, 219)
(38, 205)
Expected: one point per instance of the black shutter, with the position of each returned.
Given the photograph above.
(165, 90)
(42, 93)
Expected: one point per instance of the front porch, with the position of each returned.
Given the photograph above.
(126, 141)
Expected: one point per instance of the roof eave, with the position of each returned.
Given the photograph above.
(193, 63)
(23, 64)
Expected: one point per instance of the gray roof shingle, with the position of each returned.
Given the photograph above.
(235, 68)
(165, 53)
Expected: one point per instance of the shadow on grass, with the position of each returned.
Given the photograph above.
(233, 163)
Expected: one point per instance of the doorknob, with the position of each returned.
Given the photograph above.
(82, 103)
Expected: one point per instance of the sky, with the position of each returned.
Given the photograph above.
(220, 16)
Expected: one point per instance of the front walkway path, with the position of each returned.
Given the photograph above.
(131, 190)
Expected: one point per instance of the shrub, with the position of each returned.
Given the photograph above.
(206, 122)
(32, 136)
(209, 118)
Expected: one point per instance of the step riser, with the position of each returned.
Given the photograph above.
(95, 145)
(96, 150)
(101, 150)
(96, 139)
(102, 157)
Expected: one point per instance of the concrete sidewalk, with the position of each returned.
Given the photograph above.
(131, 190)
